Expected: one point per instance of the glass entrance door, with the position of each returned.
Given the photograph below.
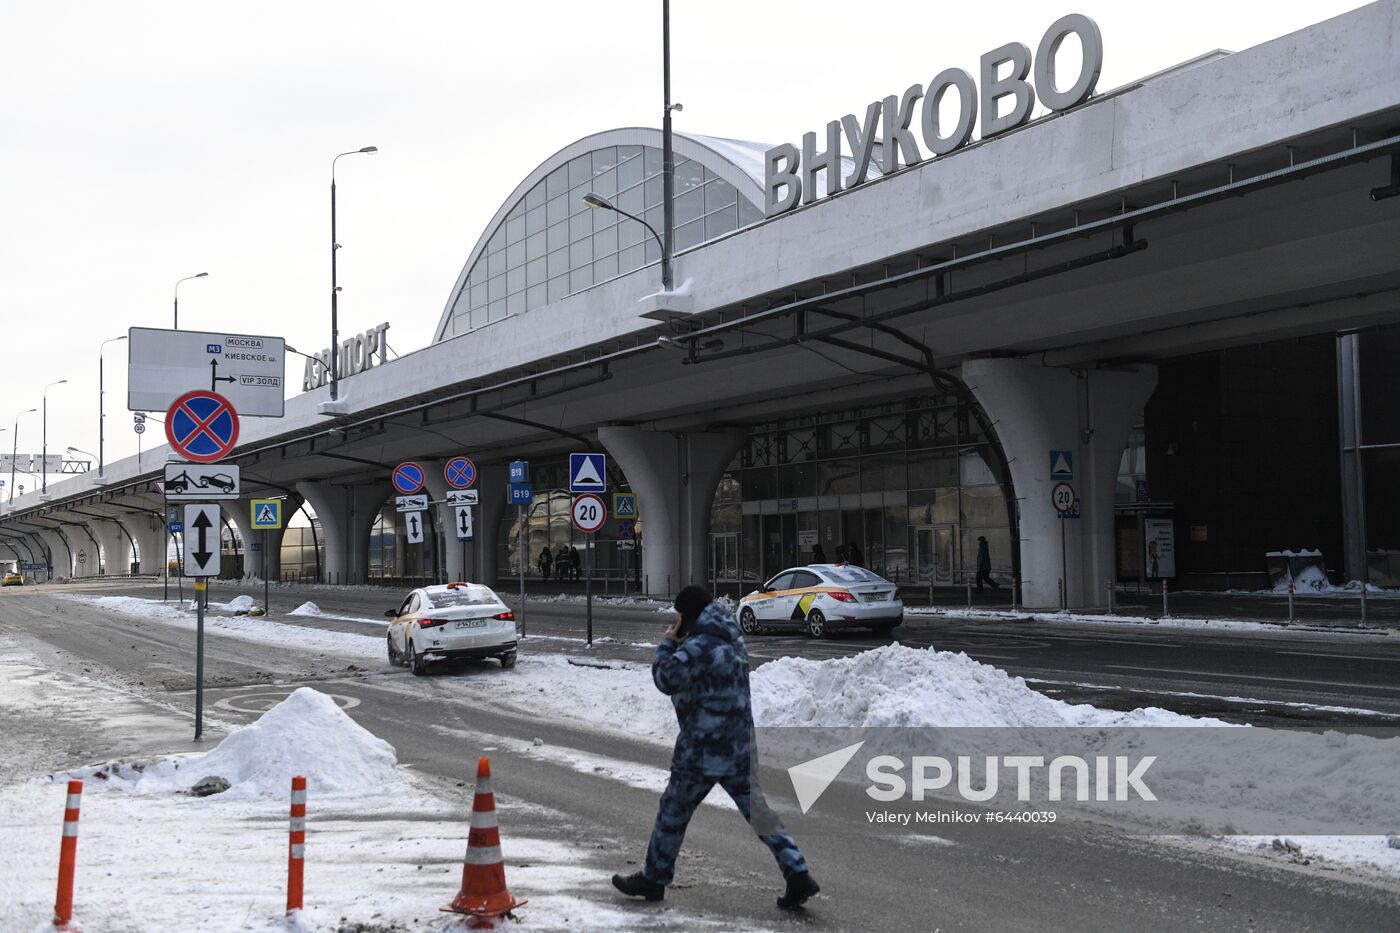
(724, 557)
(936, 553)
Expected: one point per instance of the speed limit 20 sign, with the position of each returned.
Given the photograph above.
(1063, 498)
(588, 513)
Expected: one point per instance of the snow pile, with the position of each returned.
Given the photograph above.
(307, 734)
(1310, 579)
(895, 685)
(239, 604)
(307, 608)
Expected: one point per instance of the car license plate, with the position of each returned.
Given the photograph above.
(874, 597)
(470, 623)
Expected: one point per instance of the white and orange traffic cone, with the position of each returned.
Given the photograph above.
(484, 894)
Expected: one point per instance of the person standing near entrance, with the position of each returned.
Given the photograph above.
(853, 552)
(984, 564)
(703, 666)
(545, 560)
(818, 554)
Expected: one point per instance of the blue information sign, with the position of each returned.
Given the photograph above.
(520, 493)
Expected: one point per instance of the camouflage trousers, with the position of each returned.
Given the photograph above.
(684, 793)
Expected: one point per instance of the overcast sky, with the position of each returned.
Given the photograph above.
(146, 141)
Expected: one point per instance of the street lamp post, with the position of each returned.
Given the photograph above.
(102, 404)
(44, 464)
(668, 156)
(335, 290)
(14, 450)
(198, 275)
(598, 202)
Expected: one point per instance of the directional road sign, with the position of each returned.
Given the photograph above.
(520, 493)
(413, 521)
(624, 505)
(248, 370)
(266, 513)
(588, 472)
(461, 497)
(202, 541)
(408, 478)
(200, 481)
(460, 473)
(588, 513)
(462, 522)
(411, 503)
(201, 426)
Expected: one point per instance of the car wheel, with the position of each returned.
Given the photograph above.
(508, 660)
(393, 653)
(816, 624)
(416, 661)
(747, 621)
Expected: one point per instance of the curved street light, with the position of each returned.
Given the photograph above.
(44, 464)
(102, 401)
(335, 289)
(14, 450)
(197, 275)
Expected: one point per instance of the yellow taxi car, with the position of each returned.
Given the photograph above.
(12, 579)
(821, 598)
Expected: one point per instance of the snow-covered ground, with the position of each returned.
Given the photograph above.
(1216, 624)
(152, 858)
(891, 687)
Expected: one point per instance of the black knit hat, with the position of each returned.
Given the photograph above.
(691, 601)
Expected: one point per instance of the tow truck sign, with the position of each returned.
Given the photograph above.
(200, 482)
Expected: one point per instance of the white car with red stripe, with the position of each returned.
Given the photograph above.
(451, 622)
(821, 598)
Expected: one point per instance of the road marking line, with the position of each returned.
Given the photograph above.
(1324, 654)
(1387, 688)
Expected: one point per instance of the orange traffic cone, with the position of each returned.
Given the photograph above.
(484, 894)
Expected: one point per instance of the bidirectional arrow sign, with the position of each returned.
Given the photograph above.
(461, 497)
(413, 521)
(201, 481)
(202, 540)
(411, 503)
(459, 472)
(201, 426)
(462, 523)
(408, 478)
(588, 472)
(266, 513)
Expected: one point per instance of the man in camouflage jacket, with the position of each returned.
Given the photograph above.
(701, 663)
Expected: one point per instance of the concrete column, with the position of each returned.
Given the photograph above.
(1089, 412)
(675, 477)
(346, 514)
(152, 540)
(61, 557)
(83, 540)
(115, 549)
(462, 559)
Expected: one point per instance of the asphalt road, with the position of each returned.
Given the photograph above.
(1332, 677)
(1062, 877)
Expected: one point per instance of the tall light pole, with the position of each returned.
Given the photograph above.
(197, 275)
(102, 403)
(335, 290)
(668, 156)
(14, 450)
(44, 464)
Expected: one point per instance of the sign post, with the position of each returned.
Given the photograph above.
(1066, 504)
(520, 493)
(588, 514)
(201, 562)
(266, 515)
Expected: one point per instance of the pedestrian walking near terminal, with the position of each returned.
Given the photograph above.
(703, 666)
(545, 560)
(984, 564)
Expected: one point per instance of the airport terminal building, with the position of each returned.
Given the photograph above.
(1122, 334)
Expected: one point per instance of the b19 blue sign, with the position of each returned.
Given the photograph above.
(520, 494)
(519, 471)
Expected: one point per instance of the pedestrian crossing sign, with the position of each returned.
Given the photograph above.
(267, 513)
(624, 505)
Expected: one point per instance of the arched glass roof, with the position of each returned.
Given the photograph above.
(545, 243)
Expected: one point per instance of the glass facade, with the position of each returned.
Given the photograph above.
(904, 489)
(552, 245)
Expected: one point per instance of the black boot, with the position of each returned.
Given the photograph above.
(799, 887)
(638, 885)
